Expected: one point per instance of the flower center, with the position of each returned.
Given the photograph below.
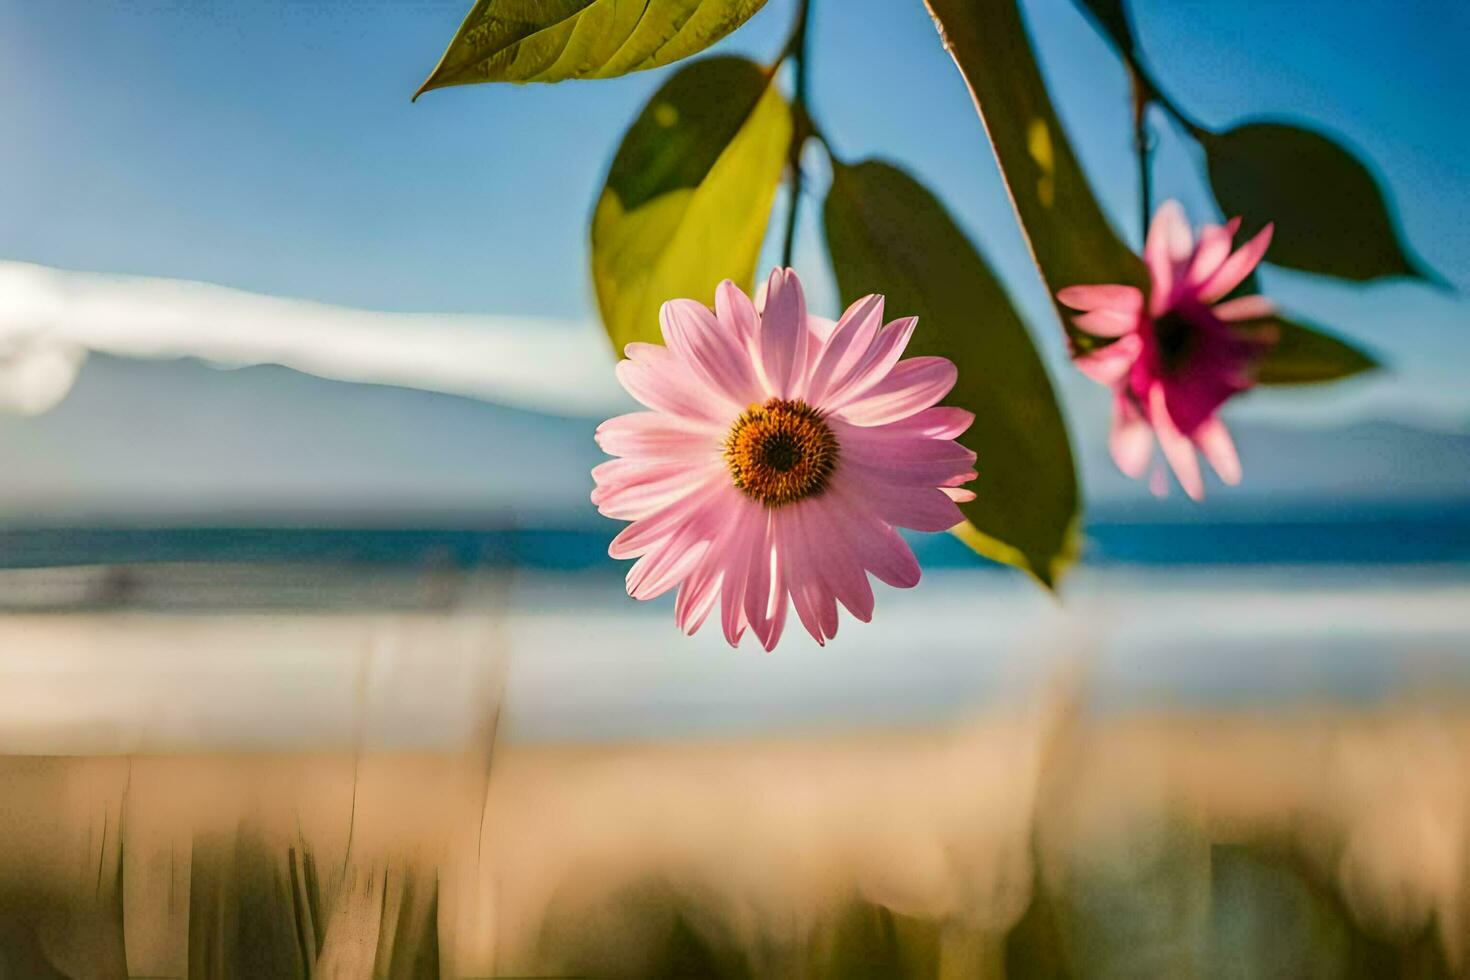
(781, 452)
(1175, 334)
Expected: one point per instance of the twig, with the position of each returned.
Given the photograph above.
(1143, 145)
(795, 49)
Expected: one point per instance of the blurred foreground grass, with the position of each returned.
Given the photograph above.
(1041, 843)
(1040, 837)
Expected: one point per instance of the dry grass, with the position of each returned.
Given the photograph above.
(1033, 843)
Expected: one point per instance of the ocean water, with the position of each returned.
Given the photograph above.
(156, 639)
(1428, 533)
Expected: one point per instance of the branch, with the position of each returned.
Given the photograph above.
(796, 50)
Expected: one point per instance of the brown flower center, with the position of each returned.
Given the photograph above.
(781, 452)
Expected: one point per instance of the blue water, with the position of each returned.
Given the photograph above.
(1423, 535)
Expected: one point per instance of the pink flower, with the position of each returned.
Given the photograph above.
(781, 452)
(1179, 357)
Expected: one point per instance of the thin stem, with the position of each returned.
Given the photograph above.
(796, 50)
(1126, 44)
(1142, 79)
(1143, 145)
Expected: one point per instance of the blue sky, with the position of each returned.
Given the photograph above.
(271, 145)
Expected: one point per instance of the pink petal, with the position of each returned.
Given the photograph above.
(645, 533)
(630, 489)
(1107, 365)
(899, 460)
(762, 587)
(738, 548)
(1178, 450)
(660, 570)
(783, 335)
(941, 422)
(824, 566)
(1107, 323)
(653, 435)
(887, 347)
(1131, 441)
(819, 330)
(877, 546)
(656, 377)
(698, 593)
(919, 508)
(836, 561)
(1232, 271)
(958, 495)
(807, 594)
(913, 385)
(677, 555)
(846, 346)
(1214, 246)
(1122, 299)
(736, 312)
(1158, 482)
(1169, 242)
(1214, 441)
(1245, 308)
(712, 351)
(765, 588)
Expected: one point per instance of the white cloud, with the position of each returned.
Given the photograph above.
(50, 319)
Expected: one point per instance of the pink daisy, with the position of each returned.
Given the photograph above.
(781, 451)
(1177, 358)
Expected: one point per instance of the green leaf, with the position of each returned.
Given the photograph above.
(1070, 237)
(1307, 355)
(689, 194)
(886, 233)
(1330, 215)
(553, 40)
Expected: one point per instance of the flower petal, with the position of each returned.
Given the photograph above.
(1214, 246)
(1131, 441)
(1108, 322)
(1123, 299)
(1178, 450)
(877, 546)
(656, 436)
(1245, 308)
(887, 347)
(699, 592)
(836, 559)
(808, 597)
(735, 576)
(900, 460)
(1232, 271)
(1214, 441)
(713, 352)
(913, 385)
(917, 507)
(1107, 365)
(845, 348)
(1169, 243)
(783, 335)
(663, 568)
(645, 533)
(940, 422)
(630, 489)
(765, 588)
(736, 312)
(656, 377)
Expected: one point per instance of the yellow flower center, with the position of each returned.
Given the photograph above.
(781, 452)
